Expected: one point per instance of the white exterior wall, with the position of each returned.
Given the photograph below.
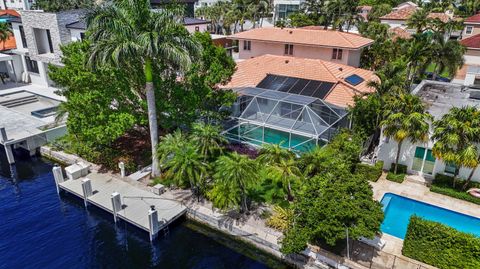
(388, 153)
(76, 34)
(16, 4)
(395, 23)
(201, 28)
(18, 38)
(262, 48)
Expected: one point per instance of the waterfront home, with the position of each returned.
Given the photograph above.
(335, 46)
(295, 102)
(17, 4)
(440, 97)
(472, 26)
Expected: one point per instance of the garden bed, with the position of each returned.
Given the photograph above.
(399, 178)
(369, 172)
(443, 184)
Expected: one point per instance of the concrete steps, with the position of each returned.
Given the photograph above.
(17, 100)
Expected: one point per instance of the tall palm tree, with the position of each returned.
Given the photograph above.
(187, 165)
(446, 55)
(235, 173)
(406, 122)
(273, 154)
(126, 32)
(457, 135)
(416, 52)
(5, 33)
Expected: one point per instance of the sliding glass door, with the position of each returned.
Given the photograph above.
(423, 161)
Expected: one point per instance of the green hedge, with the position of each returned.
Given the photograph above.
(369, 172)
(443, 184)
(402, 169)
(396, 177)
(441, 246)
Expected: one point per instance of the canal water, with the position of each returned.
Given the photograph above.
(39, 229)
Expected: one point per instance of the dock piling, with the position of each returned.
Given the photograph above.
(58, 176)
(87, 190)
(153, 222)
(116, 204)
(8, 148)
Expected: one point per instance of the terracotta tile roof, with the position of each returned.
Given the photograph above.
(10, 12)
(473, 19)
(9, 44)
(405, 13)
(321, 38)
(398, 32)
(250, 72)
(471, 42)
(400, 14)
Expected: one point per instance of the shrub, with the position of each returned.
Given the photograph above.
(401, 169)
(443, 184)
(441, 246)
(369, 172)
(395, 177)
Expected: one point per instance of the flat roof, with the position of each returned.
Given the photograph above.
(440, 97)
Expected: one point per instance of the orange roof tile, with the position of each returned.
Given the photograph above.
(473, 19)
(9, 12)
(252, 71)
(406, 12)
(321, 38)
(438, 15)
(472, 42)
(398, 32)
(9, 44)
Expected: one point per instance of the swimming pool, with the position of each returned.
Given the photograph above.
(399, 209)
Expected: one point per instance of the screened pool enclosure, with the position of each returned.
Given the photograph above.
(290, 112)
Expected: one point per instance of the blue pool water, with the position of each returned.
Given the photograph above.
(39, 229)
(399, 209)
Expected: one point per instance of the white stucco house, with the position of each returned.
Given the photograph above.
(439, 97)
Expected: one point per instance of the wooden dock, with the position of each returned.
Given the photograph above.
(143, 209)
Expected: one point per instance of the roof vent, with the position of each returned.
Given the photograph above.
(340, 69)
(287, 61)
(290, 31)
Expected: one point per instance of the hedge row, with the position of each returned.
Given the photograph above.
(443, 184)
(441, 246)
(396, 177)
(401, 168)
(369, 172)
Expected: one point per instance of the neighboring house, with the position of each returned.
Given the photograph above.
(16, 4)
(188, 4)
(282, 9)
(472, 55)
(205, 3)
(400, 15)
(296, 102)
(472, 26)
(39, 36)
(440, 97)
(335, 46)
(363, 11)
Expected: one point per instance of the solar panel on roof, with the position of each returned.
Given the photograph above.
(354, 79)
(313, 88)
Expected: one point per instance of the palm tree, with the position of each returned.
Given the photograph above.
(419, 20)
(416, 52)
(390, 76)
(208, 139)
(281, 161)
(128, 32)
(406, 119)
(446, 55)
(457, 135)
(187, 165)
(170, 144)
(5, 33)
(234, 173)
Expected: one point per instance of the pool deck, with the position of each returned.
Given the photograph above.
(414, 190)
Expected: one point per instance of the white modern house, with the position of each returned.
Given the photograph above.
(439, 97)
(16, 4)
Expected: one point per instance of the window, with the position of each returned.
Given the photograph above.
(288, 49)
(82, 36)
(337, 54)
(32, 66)
(247, 45)
(423, 160)
(450, 168)
(49, 39)
(22, 35)
(469, 30)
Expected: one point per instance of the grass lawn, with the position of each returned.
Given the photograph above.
(445, 74)
(396, 177)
